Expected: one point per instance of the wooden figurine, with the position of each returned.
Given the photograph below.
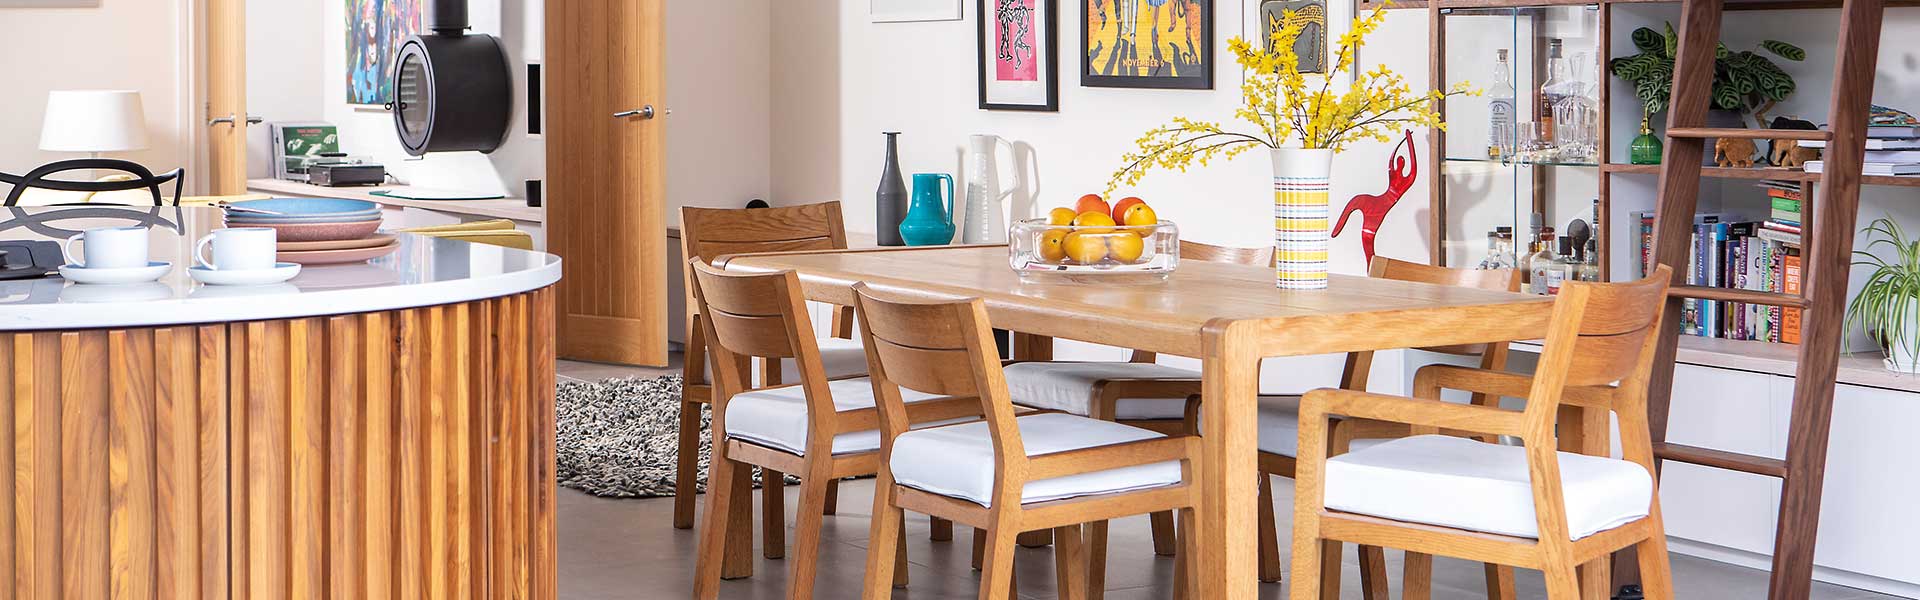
(1734, 152)
(1789, 154)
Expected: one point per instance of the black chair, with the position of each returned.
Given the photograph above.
(143, 179)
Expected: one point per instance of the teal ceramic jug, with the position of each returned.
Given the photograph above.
(929, 222)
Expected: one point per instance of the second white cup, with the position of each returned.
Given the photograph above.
(238, 249)
(110, 248)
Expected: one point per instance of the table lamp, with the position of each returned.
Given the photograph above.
(93, 121)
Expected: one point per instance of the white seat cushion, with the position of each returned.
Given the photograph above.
(1280, 427)
(1068, 387)
(838, 357)
(957, 460)
(777, 417)
(1467, 484)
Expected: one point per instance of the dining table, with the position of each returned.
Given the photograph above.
(1228, 316)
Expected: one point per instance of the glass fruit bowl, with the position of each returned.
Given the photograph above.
(1038, 250)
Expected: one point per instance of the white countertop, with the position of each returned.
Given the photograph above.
(423, 272)
(503, 208)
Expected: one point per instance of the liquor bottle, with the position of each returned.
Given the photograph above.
(1589, 268)
(1499, 249)
(1558, 86)
(1500, 116)
(1562, 268)
(1540, 264)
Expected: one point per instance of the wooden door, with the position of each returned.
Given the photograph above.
(226, 97)
(605, 216)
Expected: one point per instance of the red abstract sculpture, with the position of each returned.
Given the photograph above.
(1401, 171)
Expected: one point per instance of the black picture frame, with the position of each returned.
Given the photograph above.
(1202, 81)
(1049, 55)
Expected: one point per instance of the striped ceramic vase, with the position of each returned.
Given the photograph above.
(1300, 239)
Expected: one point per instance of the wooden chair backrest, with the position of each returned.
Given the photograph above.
(1262, 257)
(1502, 280)
(717, 232)
(944, 348)
(759, 315)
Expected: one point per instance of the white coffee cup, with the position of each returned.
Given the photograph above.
(110, 248)
(238, 249)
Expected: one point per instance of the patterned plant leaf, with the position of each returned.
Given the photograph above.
(1726, 98)
(1656, 106)
(1647, 40)
(1784, 50)
(1673, 41)
(1721, 51)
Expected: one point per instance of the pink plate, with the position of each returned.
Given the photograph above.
(321, 232)
(334, 257)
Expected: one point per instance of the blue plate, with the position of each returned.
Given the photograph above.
(307, 207)
(238, 219)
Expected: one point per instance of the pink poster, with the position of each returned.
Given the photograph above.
(1015, 56)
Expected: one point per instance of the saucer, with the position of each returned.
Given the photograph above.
(152, 272)
(280, 272)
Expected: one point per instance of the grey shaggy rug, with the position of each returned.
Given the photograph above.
(620, 438)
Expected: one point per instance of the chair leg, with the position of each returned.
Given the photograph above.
(1373, 573)
(714, 537)
(773, 514)
(806, 537)
(1563, 582)
(687, 471)
(1417, 581)
(739, 560)
(1185, 586)
(996, 570)
(1269, 533)
(979, 547)
(1035, 539)
(1500, 582)
(900, 559)
(939, 530)
(1596, 579)
(883, 535)
(1330, 551)
(1656, 572)
(833, 498)
(1097, 559)
(1070, 563)
(1164, 540)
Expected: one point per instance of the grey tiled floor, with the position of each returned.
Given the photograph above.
(628, 549)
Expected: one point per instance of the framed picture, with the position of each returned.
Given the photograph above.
(1324, 22)
(1147, 44)
(49, 3)
(375, 31)
(903, 11)
(1019, 55)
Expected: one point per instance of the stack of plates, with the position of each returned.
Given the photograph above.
(318, 231)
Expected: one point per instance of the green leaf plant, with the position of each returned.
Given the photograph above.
(1744, 81)
(1888, 306)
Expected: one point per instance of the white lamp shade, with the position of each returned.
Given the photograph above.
(93, 121)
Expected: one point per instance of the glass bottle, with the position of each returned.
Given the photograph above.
(1589, 267)
(1499, 249)
(1540, 263)
(1500, 116)
(1562, 267)
(1554, 89)
(1646, 149)
(1576, 115)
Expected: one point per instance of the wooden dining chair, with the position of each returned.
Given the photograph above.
(822, 429)
(1010, 473)
(1280, 430)
(1532, 506)
(1139, 392)
(715, 232)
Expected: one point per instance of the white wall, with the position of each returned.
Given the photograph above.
(719, 61)
(144, 45)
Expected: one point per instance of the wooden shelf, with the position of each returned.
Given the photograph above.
(1859, 368)
(1776, 174)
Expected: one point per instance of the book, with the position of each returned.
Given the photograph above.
(1785, 210)
(1892, 156)
(1790, 284)
(1893, 131)
(1780, 194)
(1873, 144)
(1817, 166)
(1793, 228)
(1777, 236)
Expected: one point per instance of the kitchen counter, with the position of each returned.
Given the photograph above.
(423, 272)
(383, 429)
(500, 208)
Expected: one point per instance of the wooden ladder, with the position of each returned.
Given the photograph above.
(1828, 223)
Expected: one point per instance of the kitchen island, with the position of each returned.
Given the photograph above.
(375, 430)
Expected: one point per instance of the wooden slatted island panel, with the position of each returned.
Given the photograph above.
(396, 452)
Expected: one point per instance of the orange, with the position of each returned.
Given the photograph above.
(1093, 222)
(1140, 215)
(1061, 216)
(1120, 208)
(1085, 249)
(1051, 245)
(1092, 203)
(1126, 248)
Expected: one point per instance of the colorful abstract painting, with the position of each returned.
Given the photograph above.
(375, 31)
(1148, 43)
(1311, 46)
(1019, 61)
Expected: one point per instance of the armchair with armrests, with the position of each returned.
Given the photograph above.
(40, 178)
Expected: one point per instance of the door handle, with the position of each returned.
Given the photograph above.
(644, 112)
(251, 120)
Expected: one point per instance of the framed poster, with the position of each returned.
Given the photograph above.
(1147, 44)
(1323, 24)
(49, 3)
(375, 31)
(1019, 55)
(903, 11)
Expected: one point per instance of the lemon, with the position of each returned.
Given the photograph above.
(1085, 249)
(1052, 248)
(1061, 216)
(1093, 222)
(1126, 248)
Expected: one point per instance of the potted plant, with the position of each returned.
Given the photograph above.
(1888, 306)
(1302, 124)
(1745, 82)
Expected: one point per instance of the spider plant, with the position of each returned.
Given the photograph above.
(1888, 306)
